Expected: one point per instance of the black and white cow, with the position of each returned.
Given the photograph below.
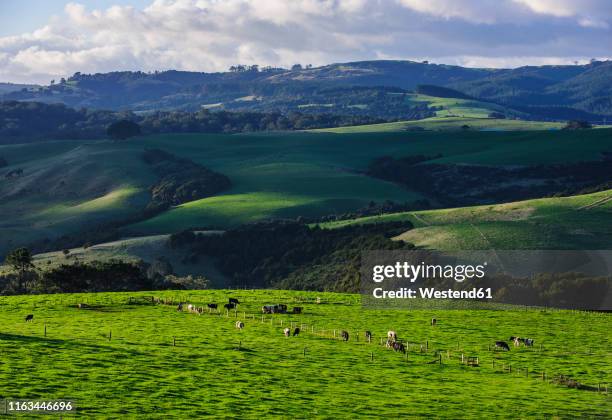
(344, 335)
(502, 345)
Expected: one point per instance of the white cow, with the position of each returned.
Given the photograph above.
(239, 325)
(287, 332)
(392, 335)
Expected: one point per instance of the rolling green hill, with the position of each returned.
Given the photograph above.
(68, 186)
(122, 347)
(578, 222)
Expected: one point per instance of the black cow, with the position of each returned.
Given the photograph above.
(344, 335)
(502, 345)
(179, 307)
(529, 342)
(368, 336)
(229, 306)
(296, 331)
(234, 301)
(212, 306)
(29, 318)
(397, 346)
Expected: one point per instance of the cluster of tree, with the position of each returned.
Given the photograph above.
(441, 92)
(292, 255)
(34, 120)
(565, 290)
(95, 276)
(180, 180)
(460, 185)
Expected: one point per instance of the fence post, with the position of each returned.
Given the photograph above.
(440, 356)
(304, 351)
(461, 358)
(371, 355)
(426, 346)
(173, 341)
(110, 334)
(45, 329)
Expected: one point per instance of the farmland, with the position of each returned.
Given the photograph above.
(70, 185)
(213, 368)
(577, 222)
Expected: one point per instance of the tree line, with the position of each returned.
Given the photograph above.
(36, 121)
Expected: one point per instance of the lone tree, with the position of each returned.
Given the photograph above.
(20, 260)
(123, 129)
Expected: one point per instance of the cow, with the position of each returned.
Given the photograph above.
(229, 306)
(296, 331)
(434, 321)
(179, 307)
(287, 332)
(397, 346)
(190, 308)
(344, 335)
(368, 336)
(529, 342)
(297, 309)
(392, 335)
(389, 343)
(234, 301)
(502, 345)
(29, 318)
(239, 325)
(212, 306)
(82, 306)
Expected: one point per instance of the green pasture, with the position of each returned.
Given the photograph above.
(71, 185)
(577, 222)
(140, 360)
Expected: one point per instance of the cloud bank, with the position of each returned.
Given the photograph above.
(211, 35)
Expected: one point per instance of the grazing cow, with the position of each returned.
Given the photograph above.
(529, 342)
(368, 336)
(287, 332)
(179, 307)
(297, 309)
(434, 321)
(239, 325)
(29, 318)
(234, 301)
(392, 335)
(190, 308)
(502, 345)
(212, 306)
(229, 306)
(344, 335)
(296, 331)
(397, 346)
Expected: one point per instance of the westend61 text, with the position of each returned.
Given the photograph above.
(431, 293)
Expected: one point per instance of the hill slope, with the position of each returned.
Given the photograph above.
(578, 222)
(582, 90)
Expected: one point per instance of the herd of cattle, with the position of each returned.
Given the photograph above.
(392, 341)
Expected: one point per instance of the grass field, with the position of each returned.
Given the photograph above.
(69, 185)
(577, 222)
(216, 370)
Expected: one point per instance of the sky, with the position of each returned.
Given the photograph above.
(42, 40)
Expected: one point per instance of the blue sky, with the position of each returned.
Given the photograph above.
(42, 40)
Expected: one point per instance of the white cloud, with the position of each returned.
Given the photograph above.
(211, 35)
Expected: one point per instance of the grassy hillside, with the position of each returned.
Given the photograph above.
(71, 185)
(134, 250)
(578, 222)
(213, 368)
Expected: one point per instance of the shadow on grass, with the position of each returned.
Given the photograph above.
(66, 344)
